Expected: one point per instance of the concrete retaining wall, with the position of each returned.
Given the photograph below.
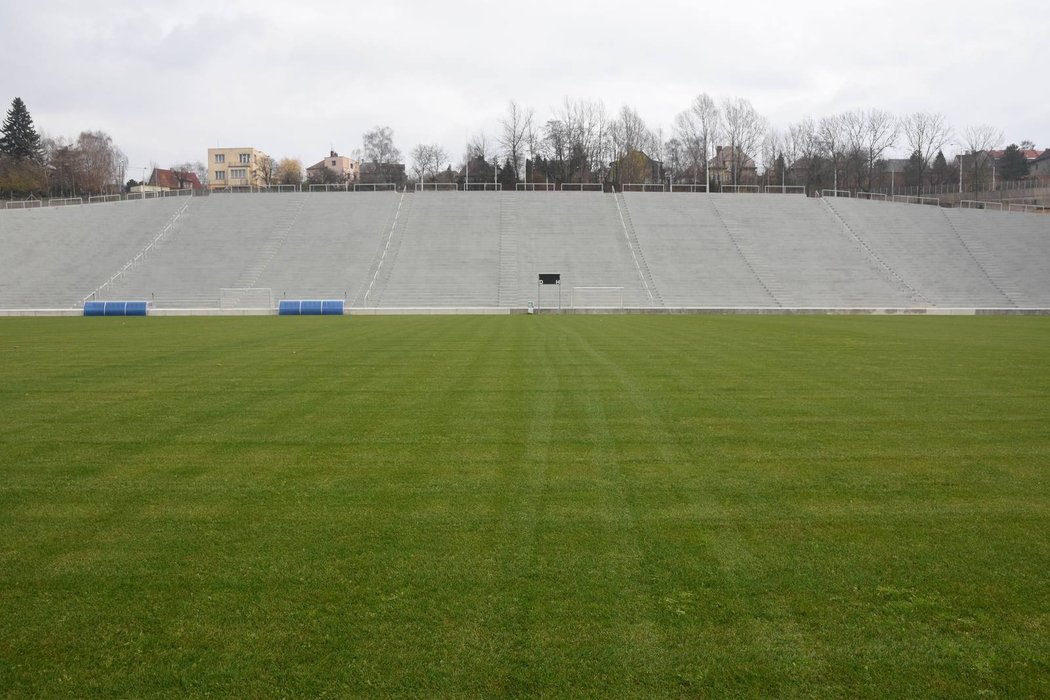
(502, 311)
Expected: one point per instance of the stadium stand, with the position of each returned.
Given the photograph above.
(920, 244)
(54, 257)
(444, 251)
(328, 251)
(1013, 249)
(576, 234)
(453, 250)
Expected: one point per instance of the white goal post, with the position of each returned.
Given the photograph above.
(974, 204)
(436, 187)
(582, 187)
(872, 196)
(328, 187)
(596, 298)
(643, 187)
(245, 298)
(753, 189)
(687, 187)
(483, 186)
(24, 204)
(535, 187)
(375, 187)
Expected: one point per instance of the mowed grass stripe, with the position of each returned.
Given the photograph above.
(525, 505)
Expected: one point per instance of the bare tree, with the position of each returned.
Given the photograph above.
(379, 146)
(632, 141)
(743, 127)
(803, 148)
(428, 160)
(979, 140)
(868, 136)
(831, 135)
(678, 159)
(925, 134)
(515, 132)
(478, 146)
(102, 163)
(577, 138)
(773, 160)
(289, 171)
(266, 167)
(196, 167)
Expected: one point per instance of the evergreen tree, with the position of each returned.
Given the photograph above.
(939, 173)
(18, 138)
(1013, 165)
(913, 170)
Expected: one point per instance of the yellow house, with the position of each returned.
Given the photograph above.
(236, 167)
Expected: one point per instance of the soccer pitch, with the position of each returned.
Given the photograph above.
(529, 505)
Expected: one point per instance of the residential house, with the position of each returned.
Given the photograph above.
(477, 171)
(335, 168)
(174, 180)
(1039, 167)
(635, 167)
(724, 163)
(236, 167)
(382, 173)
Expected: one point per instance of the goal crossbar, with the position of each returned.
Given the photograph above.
(976, 204)
(436, 187)
(535, 187)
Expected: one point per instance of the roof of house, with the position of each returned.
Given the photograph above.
(1030, 154)
(174, 179)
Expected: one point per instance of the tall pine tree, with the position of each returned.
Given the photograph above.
(18, 138)
(1013, 165)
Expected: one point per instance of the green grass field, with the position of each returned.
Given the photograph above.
(586, 506)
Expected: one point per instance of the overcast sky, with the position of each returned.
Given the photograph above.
(168, 80)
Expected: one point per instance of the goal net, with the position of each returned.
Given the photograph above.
(245, 298)
(596, 298)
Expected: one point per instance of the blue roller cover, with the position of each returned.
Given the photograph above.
(136, 308)
(311, 307)
(288, 307)
(332, 307)
(116, 308)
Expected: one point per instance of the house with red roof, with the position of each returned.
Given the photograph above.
(174, 180)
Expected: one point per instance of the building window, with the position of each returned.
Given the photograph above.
(246, 158)
(220, 174)
(333, 163)
(220, 157)
(238, 172)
